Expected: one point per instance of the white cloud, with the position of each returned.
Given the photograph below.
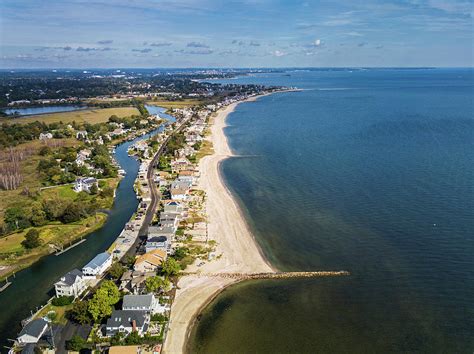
(317, 42)
(278, 53)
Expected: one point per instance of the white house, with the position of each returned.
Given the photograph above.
(45, 136)
(84, 184)
(146, 303)
(72, 283)
(97, 265)
(126, 321)
(32, 332)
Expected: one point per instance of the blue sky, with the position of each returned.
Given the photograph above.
(234, 33)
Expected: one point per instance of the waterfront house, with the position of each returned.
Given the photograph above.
(157, 243)
(161, 231)
(126, 322)
(150, 261)
(179, 193)
(33, 331)
(45, 136)
(98, 265)
(72, 283)
(84, 184)
(146, 303)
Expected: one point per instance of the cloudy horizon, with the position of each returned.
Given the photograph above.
(240, 33)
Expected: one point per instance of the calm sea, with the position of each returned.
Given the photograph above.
(369, 171)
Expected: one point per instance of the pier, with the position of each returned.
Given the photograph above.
(59, 252)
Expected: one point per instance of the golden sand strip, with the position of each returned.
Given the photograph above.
(235, 242)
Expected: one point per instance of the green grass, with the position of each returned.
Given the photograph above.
(187, 102)
(92, 116)
(59, 310)
(14, 257)
(205, 150)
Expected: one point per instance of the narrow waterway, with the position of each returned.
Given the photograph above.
(33, 286)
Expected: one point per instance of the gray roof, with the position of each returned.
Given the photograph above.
(157, 239)
(34, 328)
(155, 231)
(125, 318)
(98, 260)
(70, 277)
(137, 301)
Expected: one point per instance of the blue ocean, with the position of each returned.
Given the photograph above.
(365, 170)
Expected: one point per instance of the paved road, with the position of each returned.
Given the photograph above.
(155, 193)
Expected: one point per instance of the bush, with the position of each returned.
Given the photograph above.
(158, 317)
(32, 239)
(76, 343)
(62, 300)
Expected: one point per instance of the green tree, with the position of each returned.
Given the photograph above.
(76, 343)
(74, 212)
(100, 306)
(170, 267)
(133, 338)
(45, 150)
(80, 312)
(17, 218)
(94, 189)
(116, 270)
(54, 208)
(32, 239)
(38, 216)
(153, 284)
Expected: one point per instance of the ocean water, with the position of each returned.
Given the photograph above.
(369, 171)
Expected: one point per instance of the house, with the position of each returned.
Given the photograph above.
(179, 193)
(186, 176)
(180, 164)
(173, 207)
(150, 261)
(97, 265)
(81, 134)
(84, 184)
(146, 303)
(33, 331)
(135, 281)
(71, 284)
(157, 242)
(125, 321)
(125, 349)
(45, 136)
(161, 231)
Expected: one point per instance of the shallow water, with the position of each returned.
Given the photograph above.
(366, 171)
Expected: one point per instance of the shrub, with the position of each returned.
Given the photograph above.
(62, 300)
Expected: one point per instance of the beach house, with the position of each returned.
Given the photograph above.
(32, 332)
(158, 243)
(98, 265)
(72, 283)
(126, 322)
(150, 261)
(146, 303)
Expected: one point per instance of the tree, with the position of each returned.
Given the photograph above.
(45, 150)
(116, 270)
(32, 239)
(74, 212)
(54, 208)
(153, 284)
(76, 343)
(100, 306)
(38, 216)
(17, 218)
(62, 300)
(133, 338)
(170, 267)
(94, 189)
(80, 312)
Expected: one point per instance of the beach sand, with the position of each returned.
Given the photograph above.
(235, 243)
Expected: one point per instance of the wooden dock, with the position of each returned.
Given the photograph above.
(72, 246)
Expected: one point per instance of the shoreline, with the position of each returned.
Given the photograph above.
(236, 244)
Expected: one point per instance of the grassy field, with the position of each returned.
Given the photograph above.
(30, 174)
(187, 102)
(205, 150)
(87, 115)
(13, 257)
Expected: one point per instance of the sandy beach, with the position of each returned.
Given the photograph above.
(235, 243)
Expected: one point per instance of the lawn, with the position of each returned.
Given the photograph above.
(87, 115)
(15, 257)
(60, 312)
(205, 150)
(184, 103)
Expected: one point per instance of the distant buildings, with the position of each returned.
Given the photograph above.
(45, 136)
(81, 134)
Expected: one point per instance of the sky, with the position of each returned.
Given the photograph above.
(235, 33)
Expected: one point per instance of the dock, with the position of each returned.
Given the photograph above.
(5, 286)
(72, 246)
